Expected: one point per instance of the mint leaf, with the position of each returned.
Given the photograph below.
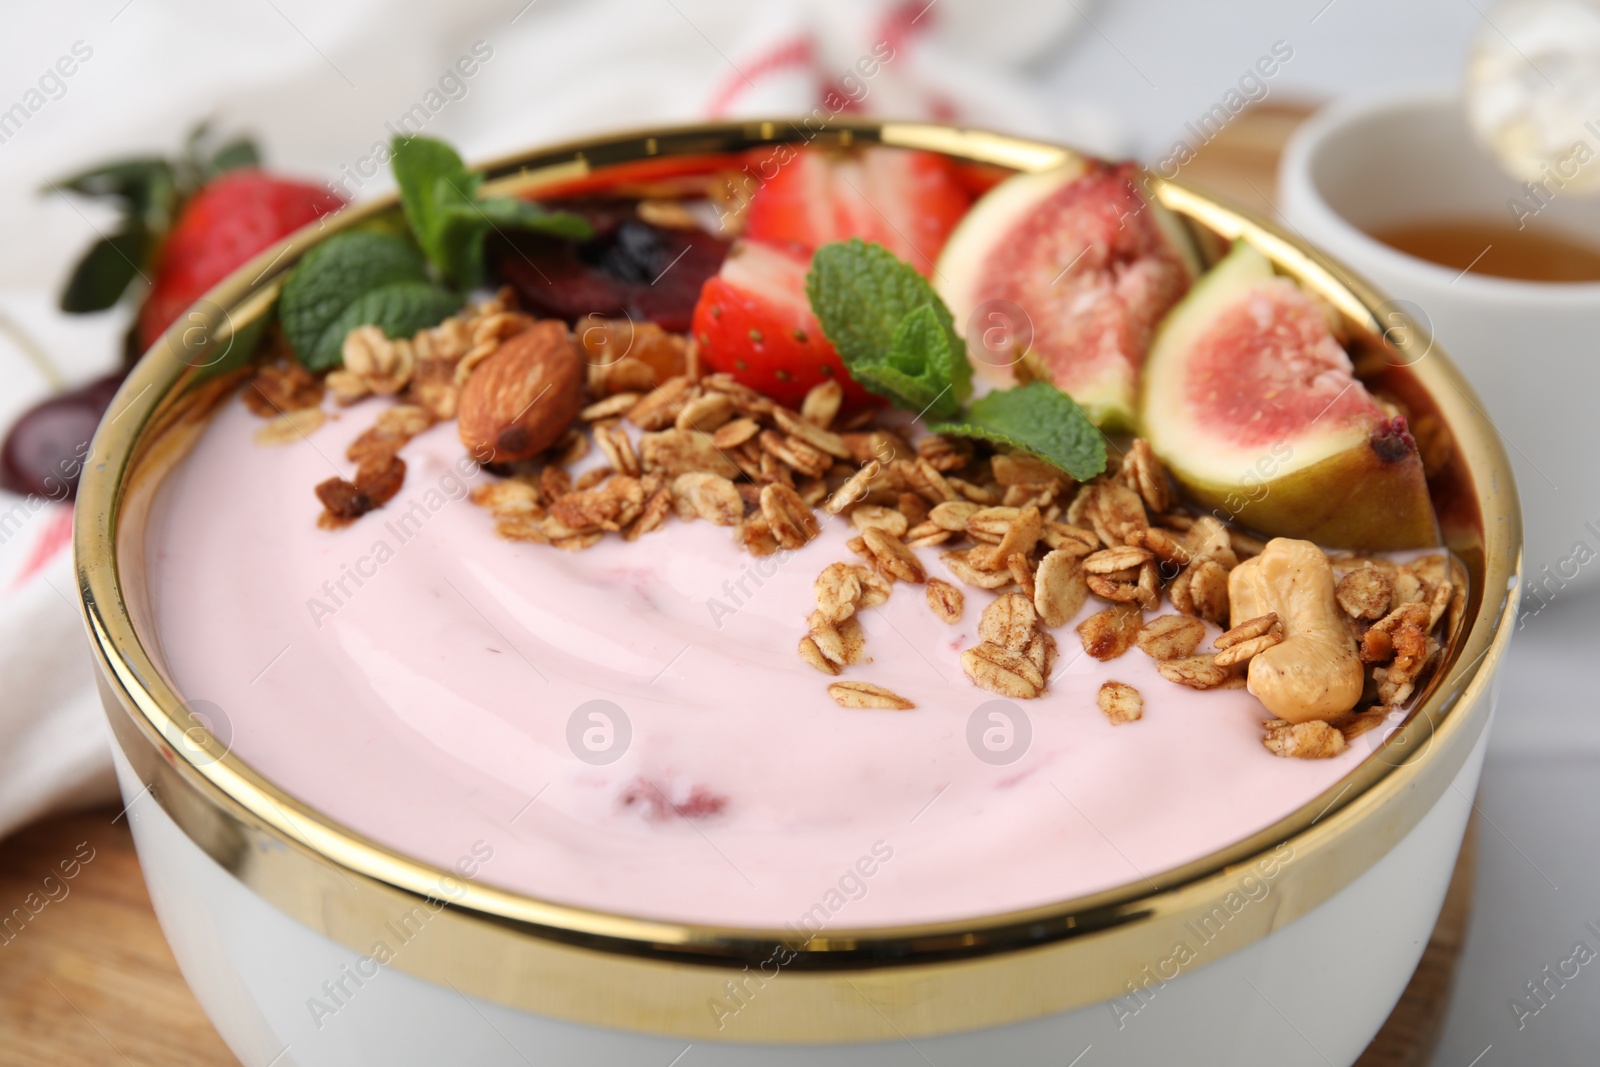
(440, 198)
(1037, 418)
(898, 339)
(891, 329)
(464, 227)
(914, 373)
(400, 309)
(240, 348)
(432, 180)
(509, 211)
(334, 275)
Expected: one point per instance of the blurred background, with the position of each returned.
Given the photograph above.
(319, 84)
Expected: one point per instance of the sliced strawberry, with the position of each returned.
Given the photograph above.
(753, 321)
(230, 219)
(905, 200)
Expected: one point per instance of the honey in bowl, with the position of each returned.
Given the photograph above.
(1497, 249)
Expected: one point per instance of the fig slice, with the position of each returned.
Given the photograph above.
(1254, 407)
(1074, 265)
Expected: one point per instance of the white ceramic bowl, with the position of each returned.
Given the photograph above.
(1287, 948)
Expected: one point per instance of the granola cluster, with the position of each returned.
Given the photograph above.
(1015, 527)
(690, 447)
(1393, 611)
(423, 373)
(1011, 524)
(428, 368)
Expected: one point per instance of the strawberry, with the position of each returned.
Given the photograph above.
(226, 210)
(231, 218)
(905, 200)
(754, 322)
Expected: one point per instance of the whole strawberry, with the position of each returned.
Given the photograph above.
(186, 223)
(230, 219)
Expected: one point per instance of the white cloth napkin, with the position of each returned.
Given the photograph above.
(319, 85)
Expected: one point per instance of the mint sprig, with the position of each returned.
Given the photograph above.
(440, 198)
(895, 335)
(898, 339)
(378, 277)
(1039, 419)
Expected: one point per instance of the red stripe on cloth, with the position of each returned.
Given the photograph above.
(796, 52)
(906, 20)
(55, 536)
(836, 98)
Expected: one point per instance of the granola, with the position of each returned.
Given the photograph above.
(946, 601)
(1120, 702)
(867, 695)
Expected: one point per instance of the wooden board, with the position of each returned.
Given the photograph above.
(89, 980)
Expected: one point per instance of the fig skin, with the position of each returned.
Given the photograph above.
(1364, 499)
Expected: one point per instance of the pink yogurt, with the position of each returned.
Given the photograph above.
(429, 685)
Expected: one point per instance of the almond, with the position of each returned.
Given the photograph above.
(521, 399)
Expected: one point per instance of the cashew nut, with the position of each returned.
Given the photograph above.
(1314, 672)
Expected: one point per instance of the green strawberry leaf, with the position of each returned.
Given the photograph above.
(105, 271)
(149, 191)
(334, 275)
(236, 154)
(440, 198)
(1039, 419)
(889, 327)
(400, 309)
(204, 159)
(146, 185)
(117, 178)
